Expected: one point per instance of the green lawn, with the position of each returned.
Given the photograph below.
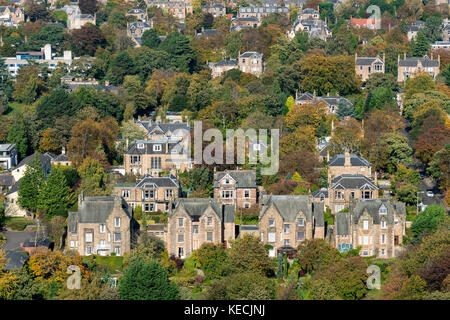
(112, 263)
(14, 107)
(17, 223)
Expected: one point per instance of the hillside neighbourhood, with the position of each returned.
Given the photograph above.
(101, 197)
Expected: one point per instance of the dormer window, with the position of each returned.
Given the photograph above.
(140, 146)
(157, 147)
(382, 210)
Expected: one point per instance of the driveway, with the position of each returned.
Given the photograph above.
(15, 238)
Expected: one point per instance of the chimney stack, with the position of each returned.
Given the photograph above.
(347, 162)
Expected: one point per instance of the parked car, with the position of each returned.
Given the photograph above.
(430, 194)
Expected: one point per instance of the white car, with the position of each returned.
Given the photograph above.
(430, 194)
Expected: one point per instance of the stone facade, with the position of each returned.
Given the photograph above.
(331, 103)
(11, 16)
(236, 188)
(195, 221)
(287, 221)
(218, 68)
(377, 226)
(151, 193)
(156, 156)
(410, 67)
(102, 225)
(348, 164)
(365, 66)
(261, 12)
(251, 62)
(136, 29)
(216, 9)
(178, 9)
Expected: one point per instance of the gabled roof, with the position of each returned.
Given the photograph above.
(319, 192)
(14, 188)
(151, 126)
(159, 182)
(243, 178)
(223, 63)
(413, 62)
(6, 180)
(196, 207)
(15, 260)
(288, 206)
(173, 147)
(7, 147)
(139, 25)
(251, 54)
(366, 61)
(353, 181)
(98, 209)
(45, 160)
(355, 160)
(372, 207)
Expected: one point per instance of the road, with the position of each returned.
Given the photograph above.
(15, 238)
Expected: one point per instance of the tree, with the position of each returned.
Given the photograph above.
(146, 247)
(36, 11)
(6, 86)
(51, 141)
(146, 281)
(29, 85)
(8, 280)
(53, 198)
(55, 229)
(54, 105)
(428, 221)
(84, 141)
(248, 254)
(30, 185)
(88, 6)
(94, 178)
(17, 134)
(392, 149)
(315, 254)
(420, 45)
(439, 167)
(212, 260)
(178, 46)
(420, 83)
(431, 141)
(247, 285)
(347, 135)
(151, 39)
(86, 40)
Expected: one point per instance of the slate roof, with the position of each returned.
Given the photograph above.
(61, 157)
(72, 222)
(98, 209)
(366, 61)
(232, 62)
(288, 206)
(151, 126)
(159, 182)
(372, 207)
(135, 11)
(6, 180)
(355, 160)
(249, 227)
(30, 243)
(148, 147)
(14, 188)
(139, 25)
(329, 100)
(353, 181)
(321, 191)
(45, 160)
(243, 178)
(214, 5)
(196, 207)
(413, 62)
(15, 260)
(6, 147)
(251, 54)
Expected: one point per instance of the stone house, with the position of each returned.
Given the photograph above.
(261, 12)
(287, 221)
(158, 230)
(314, 27)
(216, 9)
(157, 130)
(321, 195)
(348, 164)
(178, 9)
(151, 193)
(102, 226)
(8, 156)
(236, 187)
(365, 66)
(251, 62)
(61, 159)
(218, 68)
(413, 29)
(156, 156)
(12, 208)
(331, 103)
(244, 22)
(11, 16)
(140, 14)
(409, 67)
(446, 33)
(136, 29)
(346, 187)
(195, 221)
(377, 226)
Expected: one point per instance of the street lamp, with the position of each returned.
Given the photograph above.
(417, 201)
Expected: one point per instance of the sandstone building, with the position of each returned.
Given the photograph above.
(236, 188)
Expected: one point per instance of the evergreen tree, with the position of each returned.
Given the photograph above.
(146, 280)
(17, 134)
(151, 39)
(421, 45)
(54, 195)
(31, 184)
